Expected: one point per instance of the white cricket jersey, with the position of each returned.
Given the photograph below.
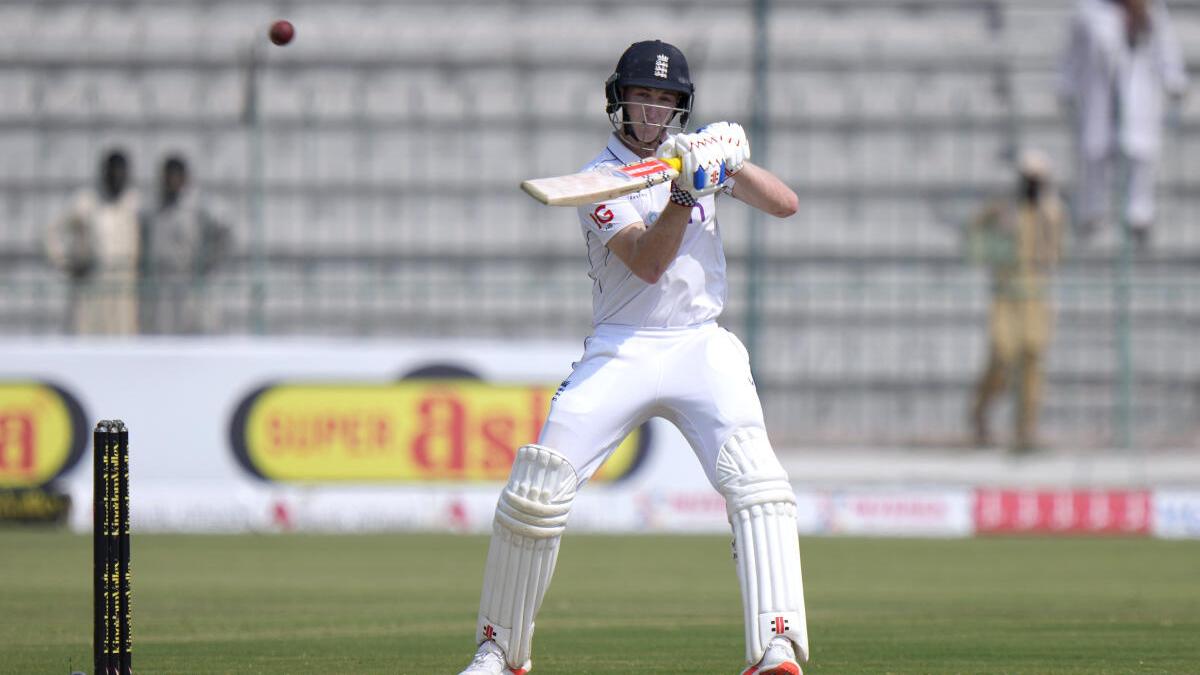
(691, 291)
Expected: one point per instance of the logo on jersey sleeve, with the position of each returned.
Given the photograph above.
(603, 217)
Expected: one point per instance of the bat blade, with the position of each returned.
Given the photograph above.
(589, 187)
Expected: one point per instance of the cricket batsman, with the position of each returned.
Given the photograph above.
(659, 284)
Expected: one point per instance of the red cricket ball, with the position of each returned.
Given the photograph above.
(282, 32)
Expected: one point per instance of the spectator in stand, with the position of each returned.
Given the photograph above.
(95, 243)
(1120, 58)
(182, 246)
(1019, 239)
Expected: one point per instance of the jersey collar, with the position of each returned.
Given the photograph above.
(621, 151)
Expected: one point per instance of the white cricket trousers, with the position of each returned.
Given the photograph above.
(698, 378)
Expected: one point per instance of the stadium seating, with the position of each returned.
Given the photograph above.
(392, 136)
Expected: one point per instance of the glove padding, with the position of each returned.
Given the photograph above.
(703, 164)
(734, 146)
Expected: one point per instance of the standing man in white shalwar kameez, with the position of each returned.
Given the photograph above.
(1121, 57)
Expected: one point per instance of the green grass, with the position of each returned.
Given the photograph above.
(406, 604)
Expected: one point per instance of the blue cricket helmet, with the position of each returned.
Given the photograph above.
(654, 64)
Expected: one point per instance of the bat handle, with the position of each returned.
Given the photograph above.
(675, 163)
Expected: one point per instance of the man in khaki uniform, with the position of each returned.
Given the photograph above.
(1020, 241)
(95, 243)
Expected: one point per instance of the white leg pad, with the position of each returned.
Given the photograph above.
(530, 517)
(762, 511)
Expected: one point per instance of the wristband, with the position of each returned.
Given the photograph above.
(681, 197)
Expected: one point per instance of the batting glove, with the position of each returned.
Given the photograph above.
(734, 146)
(703, 167)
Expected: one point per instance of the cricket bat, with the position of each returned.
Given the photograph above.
(589, 187)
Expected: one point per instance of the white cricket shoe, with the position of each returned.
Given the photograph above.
(489, 660)
(779, 659)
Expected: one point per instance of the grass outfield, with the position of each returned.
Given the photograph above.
(406, 604)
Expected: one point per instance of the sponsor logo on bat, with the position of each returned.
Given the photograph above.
(648, 168)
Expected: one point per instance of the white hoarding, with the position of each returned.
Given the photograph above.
(1176, 514)
(211, 451)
